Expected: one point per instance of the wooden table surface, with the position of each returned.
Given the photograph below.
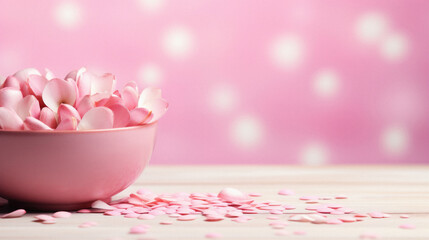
(391, 189)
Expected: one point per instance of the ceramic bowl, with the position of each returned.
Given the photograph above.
(65, 170)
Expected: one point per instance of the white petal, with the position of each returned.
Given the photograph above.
(10, 97)
(58, 91)
(9, 120)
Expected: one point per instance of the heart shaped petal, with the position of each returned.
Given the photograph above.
(121, 115)
(48, 117)
(68, 124)
(31, 123)
(67, 111)
(85, 104)
(158, 107)
(103, 84)
(12, 82)
(139, 116)
(58, 91)
(28, 106)
(37, 83)
(23, 74)
(10, 97)
(130, 97)
(147, 95)
(97, 118)
(9, 120)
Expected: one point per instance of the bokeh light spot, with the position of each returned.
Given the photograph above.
(223, 98)
(287, 51)
(314, 153)
(395, 140)
(394, 47)
(150, 75)
(68, 15)
(178, 42)
(371, 27)
(247, 132)
(326, 83)
(151, 5)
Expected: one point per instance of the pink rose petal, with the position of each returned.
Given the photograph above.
(232, 195)
(61, 214)
(130, 97)
(139, 116)
(158, 107)
(66, 111)
(121, 115)
(31, 123)
(22, 75)
(68, 124)
(85, 104)
(213, 235)
(299, 232)
(255, 195)
(341, 197)
(166, 222)
(376, 214)
(113, 100)
(83, 82)
(15, 214)
(49, 74)
(47, 116)
(9, 120)
(103, 84)
(58, 91)
(407, 226)
(187, 218)
(12, 82)
(146, 216)
(37, 83)
(10, 97)
(301, 218)
(147, 95)
(138, 230)
(102, 205)
(286, 192)
(97, 118)
(334, 221)
(28, 107)
(44, 217)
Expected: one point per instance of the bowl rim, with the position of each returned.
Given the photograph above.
(53, 132)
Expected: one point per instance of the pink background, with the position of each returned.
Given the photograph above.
(311, 82)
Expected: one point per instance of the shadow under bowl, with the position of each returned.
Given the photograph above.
(68, 170)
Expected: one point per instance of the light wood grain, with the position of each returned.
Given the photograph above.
(390, 189)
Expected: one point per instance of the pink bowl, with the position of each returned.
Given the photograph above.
(65, 170)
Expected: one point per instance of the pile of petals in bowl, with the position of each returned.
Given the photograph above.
(82, 100)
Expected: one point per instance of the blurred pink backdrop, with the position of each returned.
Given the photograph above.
(267, 82)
